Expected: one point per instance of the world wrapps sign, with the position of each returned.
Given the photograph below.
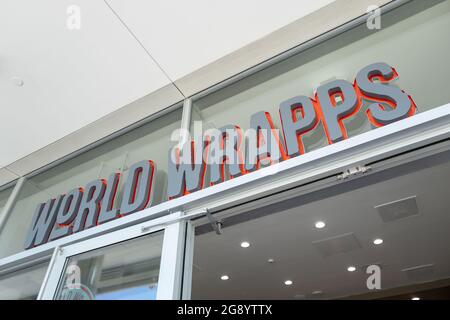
(226, 153)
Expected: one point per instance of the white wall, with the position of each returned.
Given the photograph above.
(125, 50)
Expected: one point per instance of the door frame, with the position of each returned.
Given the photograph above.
(172, 256)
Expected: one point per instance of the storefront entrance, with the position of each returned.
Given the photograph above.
(388, 228)
(137, 263)
(324, 188)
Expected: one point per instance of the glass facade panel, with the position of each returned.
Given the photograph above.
(24, 284)
(124, 271)
(148, 142)
(413, 39)
(4, 195)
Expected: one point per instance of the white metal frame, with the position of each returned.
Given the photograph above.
(7, 209)
(186, 284)
(169, 281)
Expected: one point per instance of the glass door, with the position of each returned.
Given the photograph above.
(23, 283)
(136, 263)
(128, 270)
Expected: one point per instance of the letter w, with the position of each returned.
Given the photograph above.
(186, 169)
(43, 221)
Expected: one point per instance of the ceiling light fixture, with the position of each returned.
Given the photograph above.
(377, 241)
(245, 244)
(351, 269)
(320, 224)
(17, 81)
(224, 277)
(288, 282)
(415, 298)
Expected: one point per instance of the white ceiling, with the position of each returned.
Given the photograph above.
(123, 51)
(287, 236)
(184, 36)
(71, 77)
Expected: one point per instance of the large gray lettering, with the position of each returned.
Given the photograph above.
(225, 148)
(66, 214)
(262, 128)
(43, 222)
(107, 211)
(186, 168)
(138, 187)
(403, 106)
(293, 125)
(333, 113)
(90, 205)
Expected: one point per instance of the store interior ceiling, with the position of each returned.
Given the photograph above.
(407, 207)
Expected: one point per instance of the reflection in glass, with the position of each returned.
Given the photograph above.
(4, 195)
(124, 271)
(23, 285)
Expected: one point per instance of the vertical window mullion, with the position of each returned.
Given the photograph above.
(185, 120)
(171, 268)
(11, 202)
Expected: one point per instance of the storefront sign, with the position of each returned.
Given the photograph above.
(227, 152)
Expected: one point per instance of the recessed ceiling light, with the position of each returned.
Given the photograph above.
(224, 277)
(415, 298)
(351, 269)
(245, 244)
(17, 81)
(320, 224)
(377, 241)
(288, 282)
(270, 260)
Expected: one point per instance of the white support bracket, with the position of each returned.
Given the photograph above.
(353, 171)
(216, 224)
